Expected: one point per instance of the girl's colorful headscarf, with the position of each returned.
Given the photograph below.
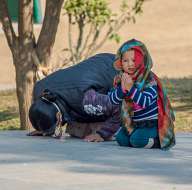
(165, 111)
(146, 67)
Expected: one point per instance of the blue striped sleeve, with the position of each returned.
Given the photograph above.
(143, 98)
(116, 95)
(151, 91)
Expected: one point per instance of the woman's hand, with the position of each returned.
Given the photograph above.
(35, 133)
(93, 138)
(126, 81)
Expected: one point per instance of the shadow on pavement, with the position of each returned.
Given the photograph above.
(73, 155)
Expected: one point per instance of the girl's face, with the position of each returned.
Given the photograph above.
(128, 62)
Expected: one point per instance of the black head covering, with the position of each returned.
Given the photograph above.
(42, 115)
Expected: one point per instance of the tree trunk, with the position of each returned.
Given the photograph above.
(25, 80)
(27, 53)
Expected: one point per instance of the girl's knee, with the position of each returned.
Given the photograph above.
(122, 138)
(144, 142)
(144, 137)
(138, 142)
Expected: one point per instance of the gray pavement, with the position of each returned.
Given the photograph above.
(49, 164)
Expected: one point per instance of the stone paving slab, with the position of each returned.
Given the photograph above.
(49, 164)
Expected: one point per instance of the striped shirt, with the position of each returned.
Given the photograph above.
(145, 101)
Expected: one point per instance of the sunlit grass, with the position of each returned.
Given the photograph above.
(179, 91)
(9, 116)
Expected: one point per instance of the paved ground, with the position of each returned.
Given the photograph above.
(50, 164)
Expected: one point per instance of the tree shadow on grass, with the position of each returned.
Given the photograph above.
(8, 114)
(9, 119)
(180, 92)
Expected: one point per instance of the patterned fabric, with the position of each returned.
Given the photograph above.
(165, 112)
(144, 103)
(99, 105)
(165, 118)
(96, 104)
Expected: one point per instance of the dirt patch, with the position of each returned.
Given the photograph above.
(164, 27)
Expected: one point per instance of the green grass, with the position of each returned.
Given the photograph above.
(179, 91)
(180, 94)
(9, 116)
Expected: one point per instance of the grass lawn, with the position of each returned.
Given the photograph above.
(180, 94)
(9, 116)
(179, 91)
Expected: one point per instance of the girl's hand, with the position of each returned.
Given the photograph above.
(126, 81)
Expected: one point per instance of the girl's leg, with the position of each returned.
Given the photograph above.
(145, 137)
(122, 137)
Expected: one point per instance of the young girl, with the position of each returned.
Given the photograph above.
(146, 113)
